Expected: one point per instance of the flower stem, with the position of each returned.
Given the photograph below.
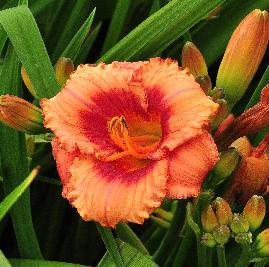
(245, 256)
(221, 256)
(110, 243)
(171, 234)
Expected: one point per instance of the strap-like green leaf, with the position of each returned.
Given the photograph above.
(14, 163)
(131, 258)
(9, 200)
(23, 32)
(255, 98)
(87, 45)
(73, 47)
(75, 17)
(116, 24)
(110, 243)
(162, 28)
(39, 263)
(4, 261)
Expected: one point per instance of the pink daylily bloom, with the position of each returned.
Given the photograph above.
(128, 135)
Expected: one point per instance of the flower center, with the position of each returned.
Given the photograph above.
(139, 145)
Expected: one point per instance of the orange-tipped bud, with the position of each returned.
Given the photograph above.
(243, 55)
(251, 175)
(243, 146)
(226, 165)
(239, 224)
(194, 61)
(254, 212)
(223, 211)
(209, 219)
(27, 82)
(208, 240)
(262, 243)
(250, 122)
(20, 114)
(222, 234)
(63, 69)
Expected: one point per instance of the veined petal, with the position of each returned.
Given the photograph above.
(93, 95)
(106, 192)
(64, 160)
(188, 166)
(184, 108)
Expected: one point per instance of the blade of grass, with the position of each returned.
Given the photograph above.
(11, 198)
(155, 6)
(4, 261)
(75, 44)
(23, 32)
(158, 31)
(14, 163)
(110, 243)
(116, 24)
(87, 45)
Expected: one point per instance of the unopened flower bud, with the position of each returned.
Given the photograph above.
(208, 240)
(63, 69)
(254, 212)
(262, 243)
(239, 224)
(209, 219)
(249, 122)
(223, 211)
(221, 234)
(194, 61)
(27, 82)
(20, 114)
(243, 238)
(243, 55)
(226, 165)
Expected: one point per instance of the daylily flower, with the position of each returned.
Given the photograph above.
(128, 135)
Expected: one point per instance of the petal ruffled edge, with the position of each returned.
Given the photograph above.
(185, 109)
(64, 160)
(108, 195)
(188, 166)
(67, 112)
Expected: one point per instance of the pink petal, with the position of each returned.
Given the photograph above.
(108, 193)
(64, 160)
(188, 166)
(79, 113)
(184, 108)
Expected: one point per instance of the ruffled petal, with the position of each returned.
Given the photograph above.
(79, 113)
(188, 166)
(108, 193)
(172, 92)
(64, 160)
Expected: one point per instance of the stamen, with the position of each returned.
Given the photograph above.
(134, 149)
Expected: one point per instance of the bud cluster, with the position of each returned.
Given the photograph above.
(220, 224)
